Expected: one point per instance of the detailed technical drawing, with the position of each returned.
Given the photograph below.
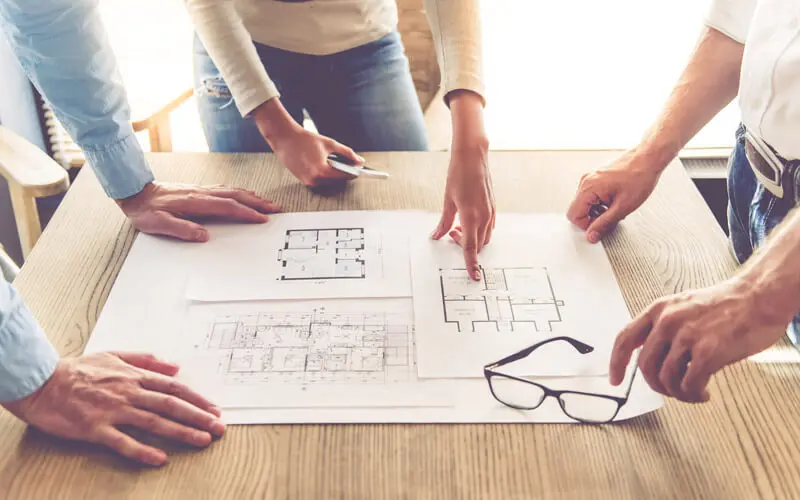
(316, 254)
(314, 347)
(506, 299)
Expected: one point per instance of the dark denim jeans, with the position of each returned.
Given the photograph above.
(753, 212)
(362, 97)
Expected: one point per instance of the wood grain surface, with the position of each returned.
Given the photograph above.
(742, 444)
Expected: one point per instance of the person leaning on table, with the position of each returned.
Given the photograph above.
(753, 51)
(62, 46)
(261, 63)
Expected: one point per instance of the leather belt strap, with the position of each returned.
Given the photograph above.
(779, 176)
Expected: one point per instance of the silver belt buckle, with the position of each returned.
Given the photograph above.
(766, 166)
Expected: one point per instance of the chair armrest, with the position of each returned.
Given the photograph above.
(28, 168)
(156, 115)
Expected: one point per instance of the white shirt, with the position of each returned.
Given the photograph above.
(228, 27)
(769, 90)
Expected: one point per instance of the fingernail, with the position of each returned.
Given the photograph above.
(202, 438)
(362, 158)
(218, 428)
(216, 411)
(157, 458)
(593, 236)
(476, 274)
(201, 235)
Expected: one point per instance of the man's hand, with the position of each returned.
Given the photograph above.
(690, 336)
(171, 209)
(469, 184)
(88, 398)
(303, 152)
(623, 187)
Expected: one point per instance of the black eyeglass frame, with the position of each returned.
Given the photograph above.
(489, 372)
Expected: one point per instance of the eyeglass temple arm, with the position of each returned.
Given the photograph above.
(577, 344)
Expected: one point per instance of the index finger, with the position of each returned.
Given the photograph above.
(172, 387)
(248, 199)
(628, 340)
(578, 211)
(205, 205)
(470, 247)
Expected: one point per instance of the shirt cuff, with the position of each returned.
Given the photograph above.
(248, 100)
(120, 167)
(470, 82)
(27, 359)
(731, 17)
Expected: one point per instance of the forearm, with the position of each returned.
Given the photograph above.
(230, 46)
(708, 84)
(466, 112)
(772, 274)
(63, 48)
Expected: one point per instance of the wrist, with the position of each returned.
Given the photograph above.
(656, 153)
(273, 121)
(466, 109)
(126, 203)
(769, 303)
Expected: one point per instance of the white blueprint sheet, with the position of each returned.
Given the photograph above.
(473, 403)
(147, 311)
(333, 353)
(308, 255)
(540, 279)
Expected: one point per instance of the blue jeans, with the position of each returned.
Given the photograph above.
(753, 212)
(362, 97)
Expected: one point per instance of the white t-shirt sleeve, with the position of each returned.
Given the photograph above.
(731, 17)
(230, 46)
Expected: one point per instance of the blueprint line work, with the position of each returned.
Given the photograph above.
(506, 299)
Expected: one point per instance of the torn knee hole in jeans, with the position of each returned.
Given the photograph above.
(217, 88)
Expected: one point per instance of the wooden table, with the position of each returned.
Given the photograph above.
(743, 444)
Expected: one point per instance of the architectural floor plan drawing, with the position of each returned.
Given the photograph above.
(506, 299)
(316, 254)
(311, 348)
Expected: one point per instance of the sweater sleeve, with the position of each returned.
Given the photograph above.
(230, 46)
(456, 29)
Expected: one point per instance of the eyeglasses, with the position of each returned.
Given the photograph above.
(522, 394)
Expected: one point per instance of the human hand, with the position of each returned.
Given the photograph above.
(623, 187)
(468, 191)
(690, 336)
(303, 152)
(87, 398)
(171, 209)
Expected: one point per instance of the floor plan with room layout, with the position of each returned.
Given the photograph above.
(313, 347)
(505, 299)
(319, 254)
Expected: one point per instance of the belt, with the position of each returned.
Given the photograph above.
(779, 176)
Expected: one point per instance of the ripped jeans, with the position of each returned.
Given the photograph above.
(753, 212)
(362, 97)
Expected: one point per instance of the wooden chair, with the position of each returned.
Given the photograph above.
(30, 174)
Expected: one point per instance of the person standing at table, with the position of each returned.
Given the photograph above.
(62, 46)
(259, 64)
(751, 49)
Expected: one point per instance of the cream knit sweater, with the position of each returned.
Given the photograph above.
(321, 27)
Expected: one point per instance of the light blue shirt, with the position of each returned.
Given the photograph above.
(62, 47)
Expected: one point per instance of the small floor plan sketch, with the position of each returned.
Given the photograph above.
(315, 254)
(314, 347)
(506, 299)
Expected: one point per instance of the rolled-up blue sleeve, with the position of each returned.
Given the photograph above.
(27, 359)
(63, 48)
